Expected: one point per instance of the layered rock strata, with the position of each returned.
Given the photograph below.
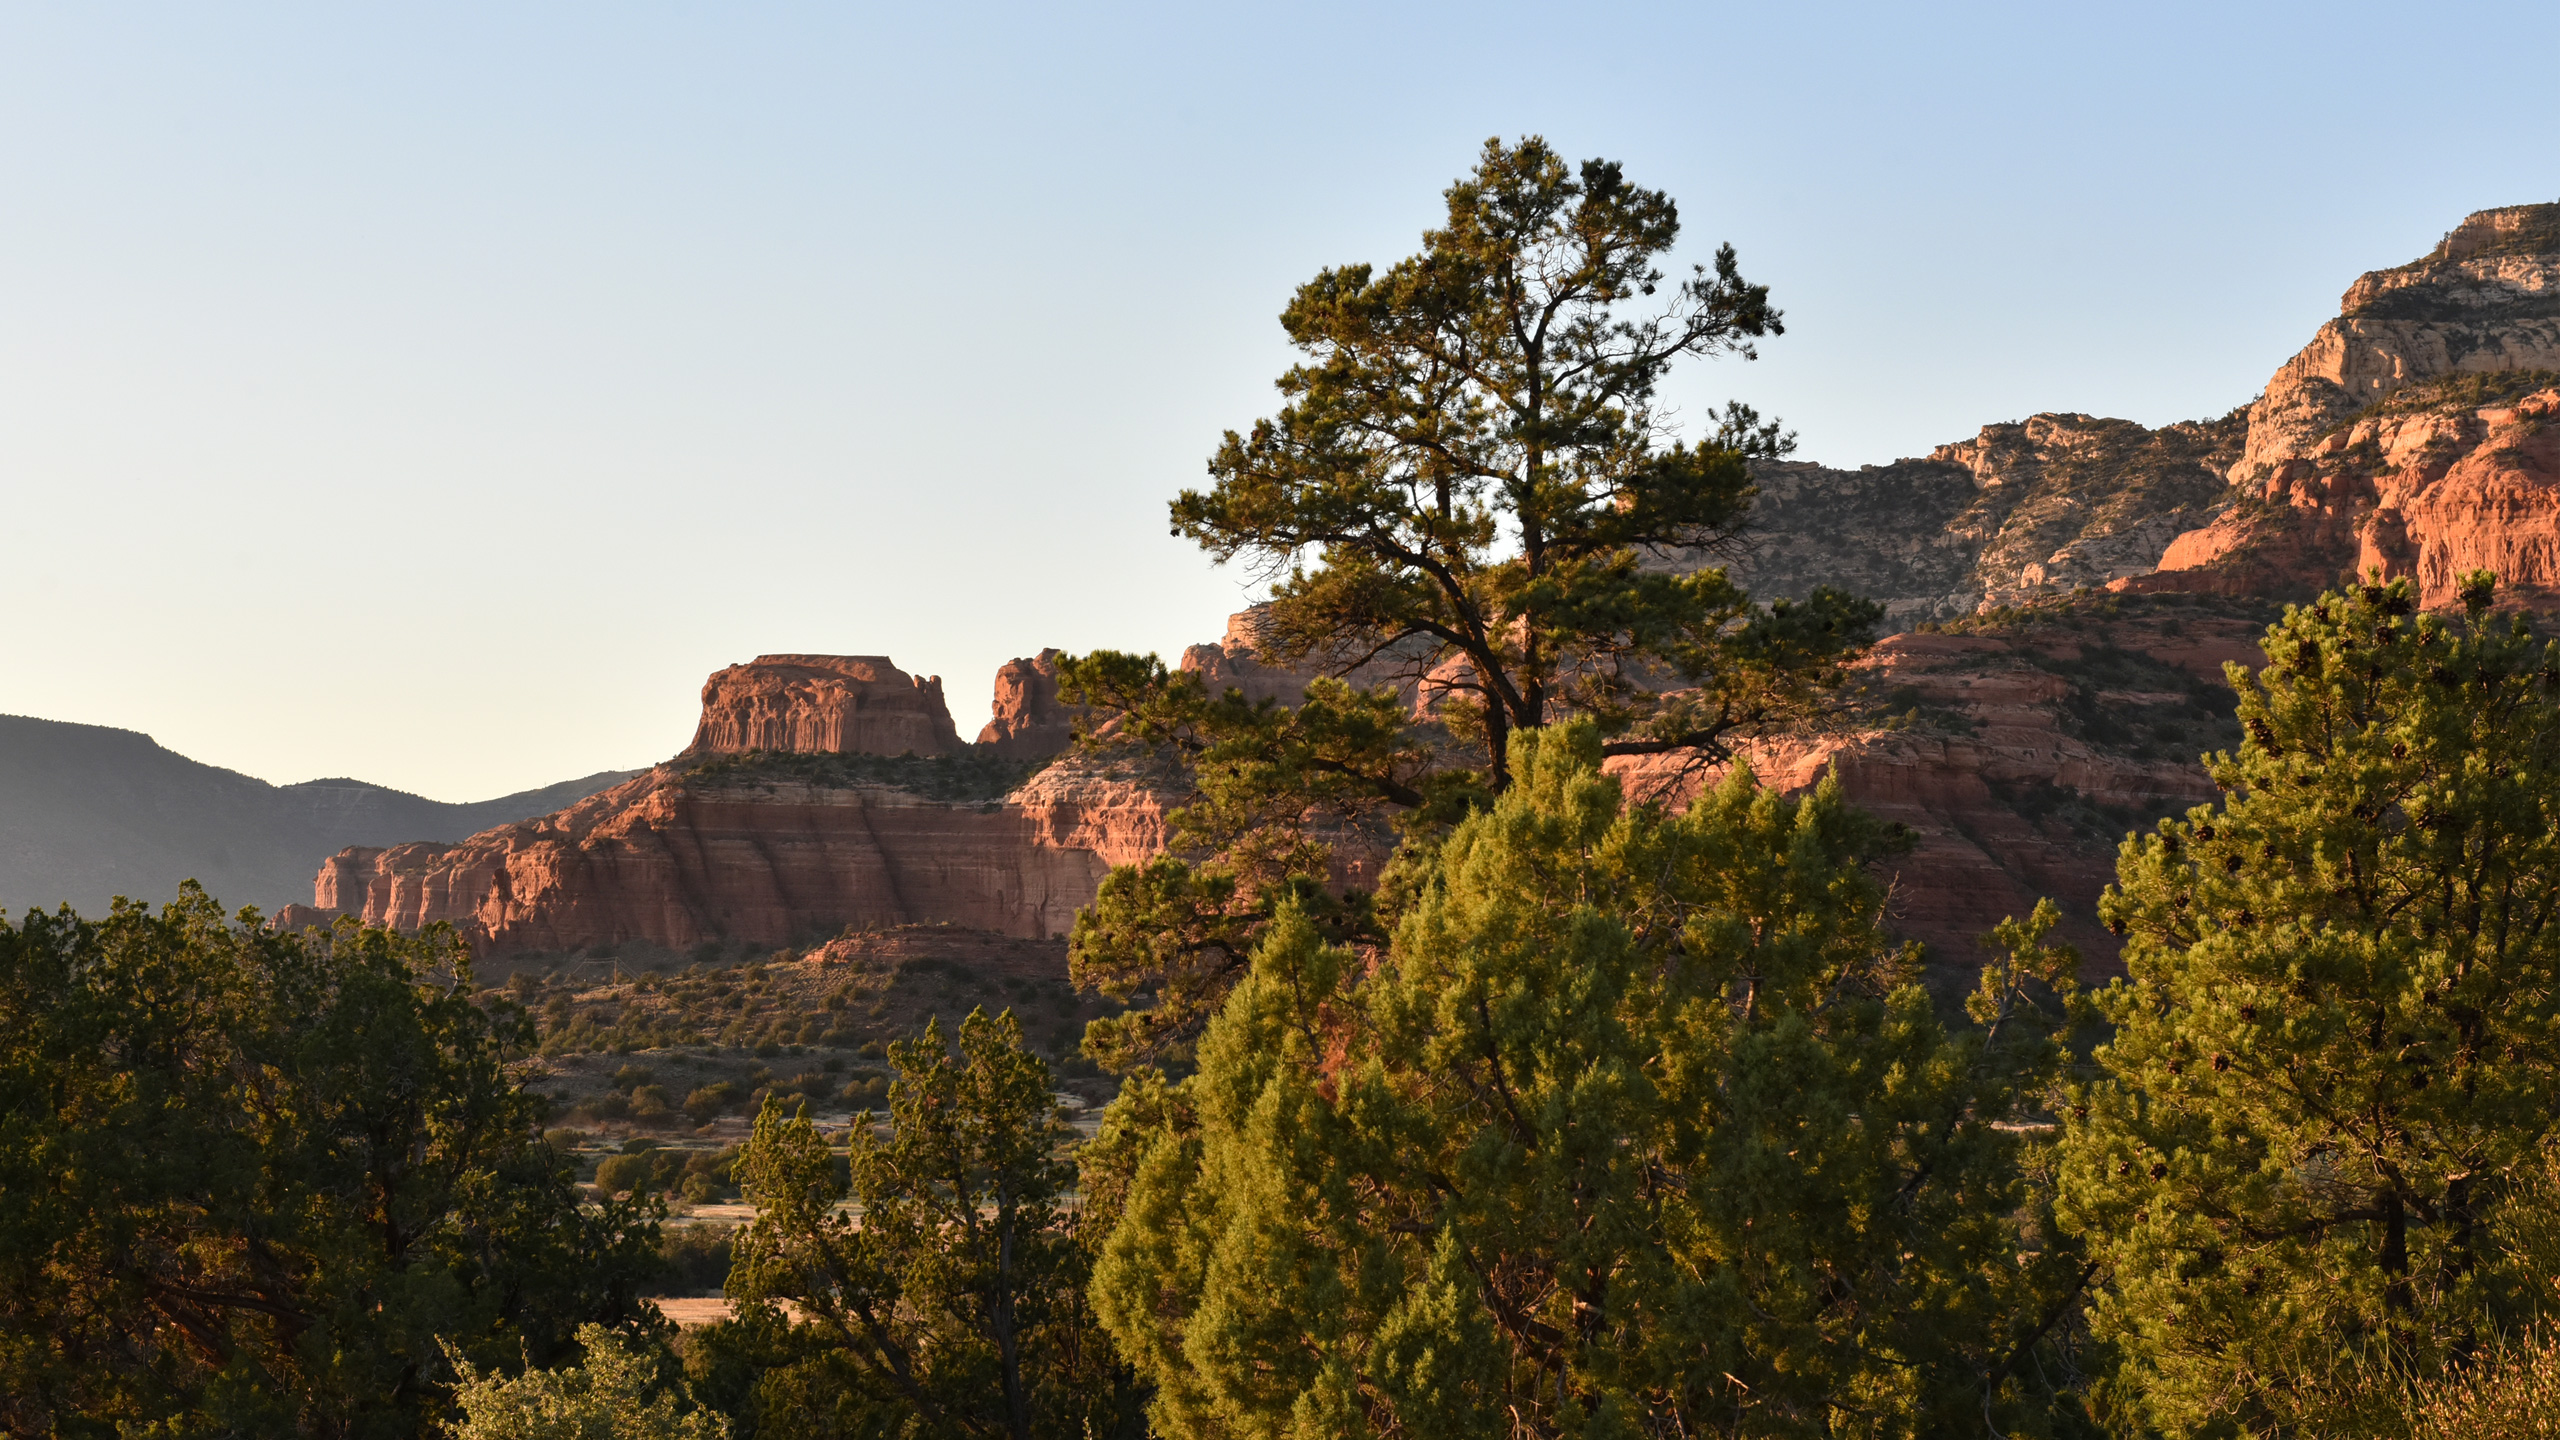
(2323, 473)
(675, 858)
(824, 704)
(2430, 494)
(784, 819)
(2486, 300)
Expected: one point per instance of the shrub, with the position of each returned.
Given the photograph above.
(697, 1255)
(630, 1077)
(655, 1170)
(707, 1102)
(866, 1092)
(615, 1393)
(603, 1107)
(649, 1102)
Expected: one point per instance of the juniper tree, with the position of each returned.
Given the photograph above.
(2336, 1049)
(1638, 1127)
(948, 1300)
(262, 1183)
(1468, 495)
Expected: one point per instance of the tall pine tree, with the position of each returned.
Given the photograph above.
(2336, 1049)
(1639, 1127)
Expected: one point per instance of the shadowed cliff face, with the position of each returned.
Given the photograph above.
(1027, 721)
(88, 813)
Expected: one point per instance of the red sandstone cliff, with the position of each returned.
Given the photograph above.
(677, 856)
(1029, 721)
(2445, 488)
(758, 833)
(824, 704)
(2408, 436)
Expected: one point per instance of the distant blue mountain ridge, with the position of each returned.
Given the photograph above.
(88, 812)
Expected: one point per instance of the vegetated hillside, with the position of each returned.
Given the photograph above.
(88, 813)
(2016, 747)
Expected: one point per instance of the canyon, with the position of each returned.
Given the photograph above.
(2061, 595)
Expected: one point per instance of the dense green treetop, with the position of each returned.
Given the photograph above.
(615, 1392)
(2338, 1046)
(258, 1183)
(1638, 1127)
(948, 1300)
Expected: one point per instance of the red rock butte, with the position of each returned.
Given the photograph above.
(824, 705)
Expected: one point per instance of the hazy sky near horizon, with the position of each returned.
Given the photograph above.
(436, 394)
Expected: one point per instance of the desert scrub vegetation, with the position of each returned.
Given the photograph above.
(973, 776)
(2467, 391)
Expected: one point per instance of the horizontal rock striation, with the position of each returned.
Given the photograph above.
(675, 858)
(820, 792)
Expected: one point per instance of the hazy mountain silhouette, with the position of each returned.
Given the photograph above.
(88, 812)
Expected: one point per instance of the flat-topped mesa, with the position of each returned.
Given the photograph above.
(824, 705)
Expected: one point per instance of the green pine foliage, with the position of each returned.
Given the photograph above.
(947, 1298)
(615, 1392)
(1639, 1127)
(1465, 496)
(2337, 1052)
(257, 1183)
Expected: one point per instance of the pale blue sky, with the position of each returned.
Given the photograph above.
(436, 393)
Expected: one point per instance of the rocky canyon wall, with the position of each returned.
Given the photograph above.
(819, 792)
(824, 705)
(2322, 473)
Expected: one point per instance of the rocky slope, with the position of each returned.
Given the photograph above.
(2048, 505)
(2018, 750)
(2485, 301)
(2380, 442)
(88, 813)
